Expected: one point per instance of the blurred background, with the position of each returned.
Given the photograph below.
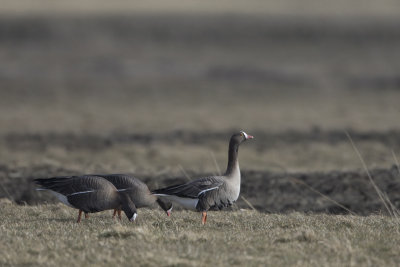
(156, 88)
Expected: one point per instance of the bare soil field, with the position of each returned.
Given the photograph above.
(167, 159)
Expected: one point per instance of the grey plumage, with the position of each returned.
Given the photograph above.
(204, 189)
(89, 194)
(136, 189)
(210, 192)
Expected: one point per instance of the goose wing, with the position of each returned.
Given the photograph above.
(123, 181)
(193, 189)
(73, 185)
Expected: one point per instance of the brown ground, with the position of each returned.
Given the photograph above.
(273, 189)
(159, 95)
(156, 88)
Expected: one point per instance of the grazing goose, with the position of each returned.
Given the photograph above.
(210, 192)
(137, 191)
(89, 194)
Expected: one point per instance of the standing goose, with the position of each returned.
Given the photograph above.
(210, 192)
(137, 191)
(89, 194)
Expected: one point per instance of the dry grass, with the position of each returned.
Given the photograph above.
(48, 235)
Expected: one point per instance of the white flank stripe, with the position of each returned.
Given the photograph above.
(161, 195)
(83, 192)
(121, 190)
(209, 189)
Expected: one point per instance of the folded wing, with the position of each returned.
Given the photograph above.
(193, 189)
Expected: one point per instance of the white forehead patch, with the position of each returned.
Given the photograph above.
(245, 134)
(133, 217)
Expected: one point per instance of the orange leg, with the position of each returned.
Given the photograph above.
(115, 212)
(86, 215)
(119, 215)
(204, 217)
(79, 216)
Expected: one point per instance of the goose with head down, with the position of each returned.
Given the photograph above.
(137, 191)
(88, 194)
(210, 192)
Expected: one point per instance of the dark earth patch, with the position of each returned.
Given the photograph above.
(268, 192)
(265, 140)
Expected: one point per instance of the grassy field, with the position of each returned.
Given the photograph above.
(47, 235)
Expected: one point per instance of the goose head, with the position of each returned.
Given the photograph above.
(240, 137)
(128, 206)
(166, 206)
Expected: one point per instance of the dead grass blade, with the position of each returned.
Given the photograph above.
(7, 193)
(378, 191)
(248, 203)
(395, 212)
(295, 180)
(396, 161)
(398, 169)
(216, 163)
(184, 172)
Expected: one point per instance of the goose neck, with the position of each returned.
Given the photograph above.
(233, 162)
